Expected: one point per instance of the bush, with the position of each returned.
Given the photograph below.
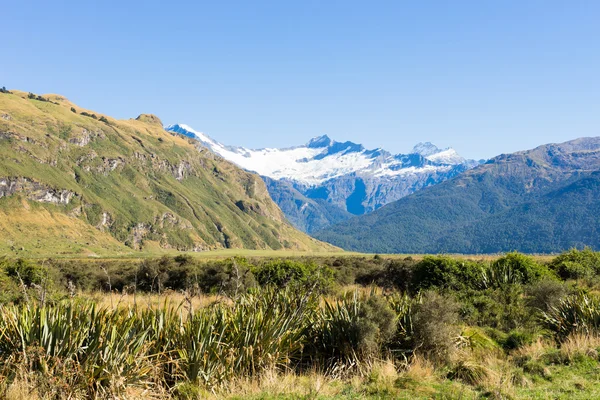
(353, 329)
(86, 114)
(522, 268)
(25, 271)
(516, 339)
(577, 264)
(152, 275)
(231, 277)
(444, 273)
(399, 274)
(73, 110)
(282, 273)
(434, 324)
(546, 294)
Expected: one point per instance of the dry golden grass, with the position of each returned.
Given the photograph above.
(310, 385)
(171, 299)
(535, 350)
(420, 369)
(577, 345)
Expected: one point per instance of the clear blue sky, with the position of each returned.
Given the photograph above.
(485, 77)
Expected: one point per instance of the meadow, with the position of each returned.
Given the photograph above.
(301, 327)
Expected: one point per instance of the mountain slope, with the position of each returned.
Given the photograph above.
(324, 181)
(85, 183)
(541, 200)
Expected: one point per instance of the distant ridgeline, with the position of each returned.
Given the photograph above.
(538, 201)
(324, 181)
(73, 181)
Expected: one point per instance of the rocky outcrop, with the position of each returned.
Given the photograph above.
(86, 137)
(181, 170)
(34, 191)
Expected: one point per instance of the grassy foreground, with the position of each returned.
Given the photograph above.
(344, 327)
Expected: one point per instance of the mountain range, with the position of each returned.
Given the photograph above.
(73, 181)
(542, 200)
(325, 182)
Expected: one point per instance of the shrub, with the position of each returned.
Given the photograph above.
(231, 277)
(103, 119)
(399, 273)
(27, 272)
(152, 275)
(402, 341)
(444, 273)
(352, 329)
(516, 339)
(434, 325)
(576, 264)
(86, 114)
(73, 110)
(282, 273)
(546, 294)
(520, 268)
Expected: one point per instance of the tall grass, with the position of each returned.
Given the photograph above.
(109, 350)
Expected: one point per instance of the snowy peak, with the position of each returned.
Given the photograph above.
(434, 154)
(425, 149)
(188, 131)
(319, 142)
(323, 159)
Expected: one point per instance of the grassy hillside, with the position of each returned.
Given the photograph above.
(542, 200)
(73, 181)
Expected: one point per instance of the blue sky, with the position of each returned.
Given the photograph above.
(485, 77)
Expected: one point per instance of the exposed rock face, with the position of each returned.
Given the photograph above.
(34, 191)
(86, 137)
(106, 220)
(182, 170)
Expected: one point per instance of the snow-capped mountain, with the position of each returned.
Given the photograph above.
(325, 181)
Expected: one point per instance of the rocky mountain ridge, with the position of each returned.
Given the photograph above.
(325, 181)
(538, 201)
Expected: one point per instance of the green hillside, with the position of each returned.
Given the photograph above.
(73, 181)
(538, 201)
